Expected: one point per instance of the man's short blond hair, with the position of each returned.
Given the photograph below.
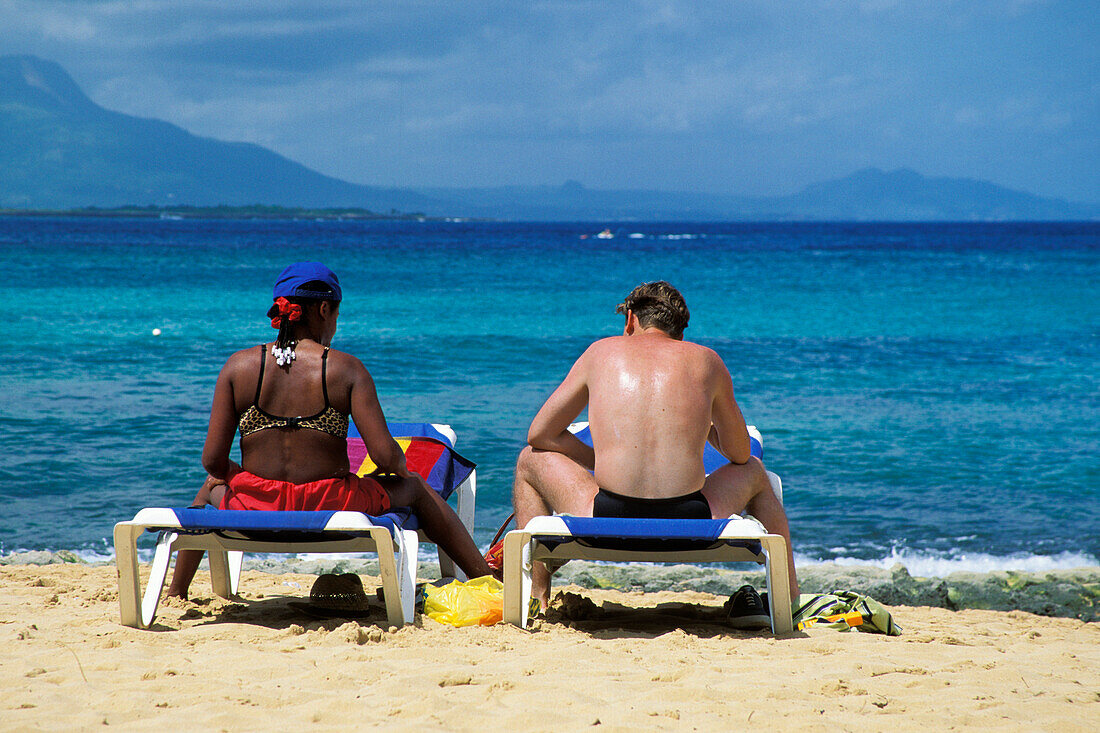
(659, 305)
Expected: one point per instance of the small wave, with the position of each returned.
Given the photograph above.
(940, 565)
(643, 235)
(107, 555)
(923, 564)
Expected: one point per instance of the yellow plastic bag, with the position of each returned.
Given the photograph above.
(469, 603)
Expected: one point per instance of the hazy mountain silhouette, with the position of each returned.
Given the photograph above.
(58, 149)
(907, 195)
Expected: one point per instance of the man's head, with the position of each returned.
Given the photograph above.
(657, 305)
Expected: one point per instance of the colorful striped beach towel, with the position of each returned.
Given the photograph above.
(427, 453)
(844, 610)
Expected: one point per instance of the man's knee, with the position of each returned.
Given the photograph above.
(751, 473)
(526, 463)
(756, 473)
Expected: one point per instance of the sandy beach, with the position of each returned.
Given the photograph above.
(214, 664)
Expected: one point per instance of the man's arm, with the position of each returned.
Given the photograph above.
(728, 432)
(550, 429)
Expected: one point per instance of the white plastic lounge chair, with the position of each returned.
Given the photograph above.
(557, 539)
(227, 534)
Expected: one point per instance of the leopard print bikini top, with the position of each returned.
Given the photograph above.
(329, 420)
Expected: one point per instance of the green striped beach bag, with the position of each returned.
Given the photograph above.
(844, 610)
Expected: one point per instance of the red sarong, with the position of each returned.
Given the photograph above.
(349, 493)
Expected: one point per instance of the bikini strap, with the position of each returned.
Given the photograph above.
(324, 380)
(260, 381)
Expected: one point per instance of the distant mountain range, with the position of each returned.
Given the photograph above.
(60, 150)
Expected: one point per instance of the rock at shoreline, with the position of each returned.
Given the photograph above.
(1074, 593)
(1070, 593)
(40, 557)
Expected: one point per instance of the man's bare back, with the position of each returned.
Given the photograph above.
(651, 402)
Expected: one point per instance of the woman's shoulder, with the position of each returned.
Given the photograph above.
(343, 361)
(247, 357)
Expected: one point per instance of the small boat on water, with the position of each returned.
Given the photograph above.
(605, 234)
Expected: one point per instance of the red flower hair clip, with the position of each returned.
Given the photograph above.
(289, 311)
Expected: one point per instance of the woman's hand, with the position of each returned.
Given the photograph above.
(397, 466)
(204, 496)
(401, 468)
(211, 482)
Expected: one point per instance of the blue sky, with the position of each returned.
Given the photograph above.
(747, 97)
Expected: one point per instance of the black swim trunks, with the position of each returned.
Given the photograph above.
(690, 506)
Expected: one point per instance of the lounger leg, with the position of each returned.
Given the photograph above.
(517, 577)
(157, 573)
(467, 496)
(406, 569)
(225, 572)
(391, 576)
(219, 573)
(779, 587)
(129, 581)
(236, 560)
(466, 493)
(447, 567)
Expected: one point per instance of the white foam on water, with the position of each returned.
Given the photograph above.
(108, 555)
(940, 565)
(425, 553)
(919, 563)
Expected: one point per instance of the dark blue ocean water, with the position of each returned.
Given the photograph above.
(929, 393)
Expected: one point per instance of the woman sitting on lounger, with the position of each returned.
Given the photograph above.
(291, 401)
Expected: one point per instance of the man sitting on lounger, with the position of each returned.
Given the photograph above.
(654, 400)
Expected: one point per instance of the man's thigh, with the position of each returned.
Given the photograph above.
(730, 488)
(563, 483)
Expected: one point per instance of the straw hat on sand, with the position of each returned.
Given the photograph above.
(336, 596)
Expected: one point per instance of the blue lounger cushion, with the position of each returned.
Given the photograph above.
(209, 518)
(649, 535)
(260, 525)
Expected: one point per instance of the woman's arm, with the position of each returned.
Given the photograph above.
(367, 414)
(222, 427)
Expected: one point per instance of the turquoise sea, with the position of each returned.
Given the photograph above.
(930, 393)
